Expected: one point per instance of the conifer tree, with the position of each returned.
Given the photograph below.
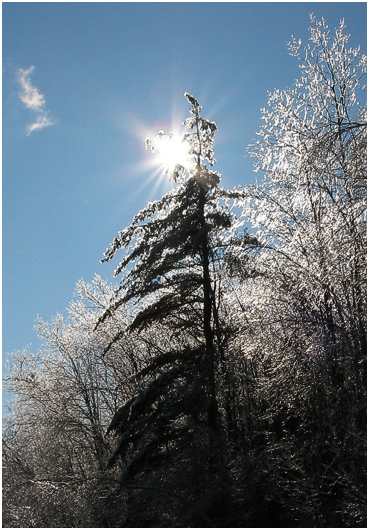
(175, 250)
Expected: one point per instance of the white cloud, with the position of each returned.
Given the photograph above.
(32, 98)
(30, 95)
(40, 123)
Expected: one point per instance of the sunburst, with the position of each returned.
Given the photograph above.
(170, 151)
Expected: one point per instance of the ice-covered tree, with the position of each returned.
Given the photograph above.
(55, 447)
(309, 213)
(311, 204)
(171, 274)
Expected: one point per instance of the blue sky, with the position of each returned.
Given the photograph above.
(83, 84)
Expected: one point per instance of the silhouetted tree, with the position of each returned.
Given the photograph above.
(176, 248)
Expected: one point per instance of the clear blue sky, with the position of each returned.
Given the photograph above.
(74, 125)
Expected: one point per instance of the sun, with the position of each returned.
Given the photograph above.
(170, 151)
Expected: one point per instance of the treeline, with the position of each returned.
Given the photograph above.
(223, 382)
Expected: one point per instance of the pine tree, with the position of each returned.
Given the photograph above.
(175, 250)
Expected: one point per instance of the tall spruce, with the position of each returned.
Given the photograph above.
(174, 253)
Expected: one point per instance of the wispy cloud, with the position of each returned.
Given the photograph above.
(32, 98)
(40, 123)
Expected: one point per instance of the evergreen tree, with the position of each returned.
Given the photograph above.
(175, 250)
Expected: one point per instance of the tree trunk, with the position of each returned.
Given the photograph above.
(208, 331)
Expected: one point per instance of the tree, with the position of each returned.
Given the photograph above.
(54, 445)
(309, 210)
(311, 205)
(175, 250)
